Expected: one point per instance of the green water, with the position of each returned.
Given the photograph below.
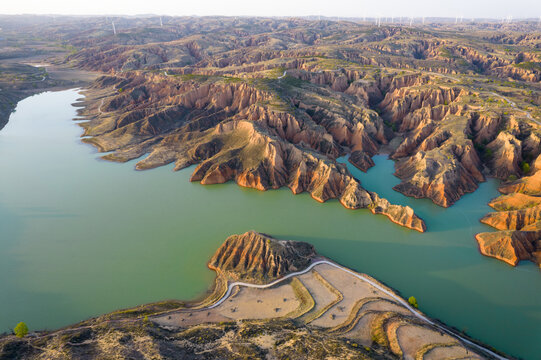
(80, 236)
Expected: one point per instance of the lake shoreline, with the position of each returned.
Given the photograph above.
(357, 241)
(165, 314)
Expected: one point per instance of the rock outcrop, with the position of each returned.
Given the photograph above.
(291, 319)
(361, 160)
(276, 109)
(506, 155)
(513, 219)
(436, 159)
(518, 218)
(259, 258)
(236, 131)
(402, 215)
(511, 246)
(530, 185)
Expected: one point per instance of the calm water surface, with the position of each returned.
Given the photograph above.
(80, 236)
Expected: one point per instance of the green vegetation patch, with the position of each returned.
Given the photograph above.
(529, 65)
(194, 77)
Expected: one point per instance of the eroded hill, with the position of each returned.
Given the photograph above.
(313, 308)
(269, 103)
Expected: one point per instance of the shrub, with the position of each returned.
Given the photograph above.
(525, 167)
(413, 302)
(511, 178)
(488, 153)
(20, 330)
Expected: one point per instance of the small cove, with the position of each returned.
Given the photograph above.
(81, 236)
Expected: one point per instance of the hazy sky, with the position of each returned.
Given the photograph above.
(345, 8)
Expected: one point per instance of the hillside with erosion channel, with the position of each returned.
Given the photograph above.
(298, 104)
(270, 103)
(272, 299)
(276, 103)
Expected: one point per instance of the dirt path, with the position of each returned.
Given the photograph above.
(514, 106)
(365, 279)
(99, 108)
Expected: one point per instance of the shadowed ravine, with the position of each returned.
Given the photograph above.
(103, 236)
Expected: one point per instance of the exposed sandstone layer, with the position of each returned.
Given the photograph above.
(361, 160)
(235, 131)
(514, 201)
(511, 246)
(402, 215)
(327, 312)
(450, 137)
(314, 89)
(518, 218)
(259, 258)
(506, 155)
(513, 219)
(530, 185)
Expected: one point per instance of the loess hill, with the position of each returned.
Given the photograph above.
(325, 312)
(269, 103)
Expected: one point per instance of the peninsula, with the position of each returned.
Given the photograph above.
(272, 299)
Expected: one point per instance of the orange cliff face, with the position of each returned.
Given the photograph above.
(259, 258)
(519, 220)
(235, 131)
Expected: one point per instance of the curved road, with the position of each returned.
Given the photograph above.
(514, 106)
(365, 279)
(512, 103)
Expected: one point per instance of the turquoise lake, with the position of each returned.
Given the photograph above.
(80, 236)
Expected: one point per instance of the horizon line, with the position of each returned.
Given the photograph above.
(322, 17)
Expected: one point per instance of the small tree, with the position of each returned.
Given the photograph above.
(413, 302)
(525, 167)
(20, 330)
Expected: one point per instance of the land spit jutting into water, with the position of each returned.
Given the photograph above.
(272, 103)
(272, 298)
(144, 240)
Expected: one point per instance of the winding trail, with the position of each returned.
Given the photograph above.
(512, 103)
(442, 75)
(514, 106)
(283, 75)
(99, 108)
(365, 279)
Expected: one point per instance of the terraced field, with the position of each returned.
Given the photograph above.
(341, 304)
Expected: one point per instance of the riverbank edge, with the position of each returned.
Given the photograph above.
(218, 292)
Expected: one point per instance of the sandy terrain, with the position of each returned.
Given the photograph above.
(344, 305)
